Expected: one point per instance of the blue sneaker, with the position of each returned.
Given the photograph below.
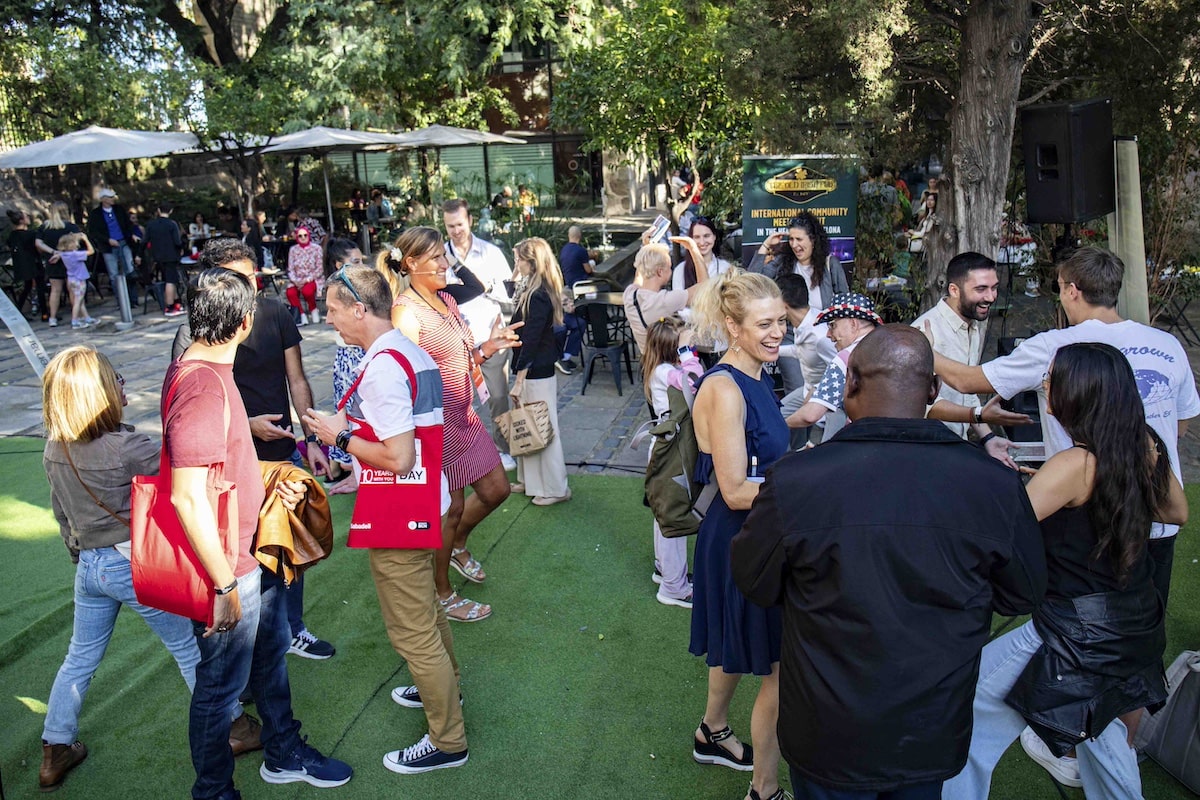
(306, 764)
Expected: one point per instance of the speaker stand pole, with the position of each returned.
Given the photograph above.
(1125, 235)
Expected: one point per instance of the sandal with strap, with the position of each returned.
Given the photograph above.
(470, 569)
(711, 751)
(780, 794)
(460, 609)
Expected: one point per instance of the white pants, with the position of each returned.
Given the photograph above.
(544, 474)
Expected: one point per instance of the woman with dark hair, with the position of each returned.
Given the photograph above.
(704, 234)
(805, 251)
(1090, 659)
(341, 253)
(252, 237)
(25, 262)
(426, 313)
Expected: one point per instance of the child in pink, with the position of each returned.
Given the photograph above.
(306, 273)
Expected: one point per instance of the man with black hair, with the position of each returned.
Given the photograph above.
(268, 370)
(247, 640)
(164, 241)
(902, 586)
(959, 328)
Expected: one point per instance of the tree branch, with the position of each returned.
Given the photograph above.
(190, 35)
(1047, 89)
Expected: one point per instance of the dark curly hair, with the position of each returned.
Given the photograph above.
(808, 223)
(690, 276)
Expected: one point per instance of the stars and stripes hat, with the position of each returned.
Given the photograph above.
(850, 305)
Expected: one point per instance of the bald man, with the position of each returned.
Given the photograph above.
(887, 601)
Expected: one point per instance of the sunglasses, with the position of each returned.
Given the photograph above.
(341, 275)
(120, 379)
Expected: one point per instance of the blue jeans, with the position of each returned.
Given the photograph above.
(570, 335)
(1107, 765)
(121, 257)
(103, 583)
(253, 652)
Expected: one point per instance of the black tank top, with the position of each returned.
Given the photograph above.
(1070, 569)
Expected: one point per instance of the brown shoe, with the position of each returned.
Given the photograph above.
(245, 735)
(57, 761)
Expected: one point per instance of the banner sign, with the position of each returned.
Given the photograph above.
(776, 188)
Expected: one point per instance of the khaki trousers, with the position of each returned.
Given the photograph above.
(418, 630)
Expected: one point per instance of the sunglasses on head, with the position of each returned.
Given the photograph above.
(342, 277)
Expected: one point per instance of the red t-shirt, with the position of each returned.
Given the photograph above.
(192, 433)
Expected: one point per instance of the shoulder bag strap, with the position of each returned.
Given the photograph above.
(88, 489)
(401, 359)
(638, 308)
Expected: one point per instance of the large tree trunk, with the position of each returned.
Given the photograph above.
(995, 37)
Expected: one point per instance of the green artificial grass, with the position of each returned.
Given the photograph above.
(579, 686)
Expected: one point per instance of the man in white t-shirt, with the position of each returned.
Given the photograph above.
(1088, 284)
(488, 264)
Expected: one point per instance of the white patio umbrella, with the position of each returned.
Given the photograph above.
(446, 136)
(96, 144)
(320, 141)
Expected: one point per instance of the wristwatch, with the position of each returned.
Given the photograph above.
(227, 589)
(312, 439)
(343, 439)
(978, 413)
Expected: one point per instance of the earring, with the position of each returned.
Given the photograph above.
(735, 347)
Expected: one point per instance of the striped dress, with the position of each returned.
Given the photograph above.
(468, 451)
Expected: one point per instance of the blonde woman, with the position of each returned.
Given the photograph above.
(90, 460)
(57, 225)
(740, 433)
(538, 301)
(415, 267)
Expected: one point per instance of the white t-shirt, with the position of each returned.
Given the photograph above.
(815, 302)
(717, 266)
(385, 399)
(658, 388)
(1160, 365)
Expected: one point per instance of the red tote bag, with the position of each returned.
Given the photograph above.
(399, 512)
(167, 574)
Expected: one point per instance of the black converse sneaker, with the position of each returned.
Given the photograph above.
(409, 697)
(422, 757)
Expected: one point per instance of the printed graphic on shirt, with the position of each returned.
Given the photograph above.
(1152, 386)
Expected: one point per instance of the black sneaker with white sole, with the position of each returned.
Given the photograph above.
(409, 697)
(566, 366)
(306, 645)
(422, 757)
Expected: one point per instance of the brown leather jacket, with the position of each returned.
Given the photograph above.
(289, 542)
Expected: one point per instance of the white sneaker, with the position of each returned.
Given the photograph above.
(315, 316)
(1065, 770)
(303, 320)
(52, 322)
(508, 462)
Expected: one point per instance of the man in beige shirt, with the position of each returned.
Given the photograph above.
(959, 326)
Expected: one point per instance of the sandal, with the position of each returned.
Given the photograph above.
(516, 488)
(470, 569)
(460, 609)
(711, 751)
(779, 794)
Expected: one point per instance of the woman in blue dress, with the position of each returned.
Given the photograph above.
(740, 432)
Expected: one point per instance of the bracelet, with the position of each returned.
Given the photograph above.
(227, 589)
(343, 439)
(978, 414)
(983, 442)
(482, 358)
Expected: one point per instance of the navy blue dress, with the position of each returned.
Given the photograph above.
(737, 635)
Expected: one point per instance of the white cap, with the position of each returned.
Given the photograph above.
(107, 193)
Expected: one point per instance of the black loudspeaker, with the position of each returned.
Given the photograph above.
(1023, 403)
(1068, 150)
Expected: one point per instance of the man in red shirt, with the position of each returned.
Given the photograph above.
(249, 637)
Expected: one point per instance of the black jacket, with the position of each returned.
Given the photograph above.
(889, 547)
(1101, 656)
(539, 347)
(164, 239)
(97, 229)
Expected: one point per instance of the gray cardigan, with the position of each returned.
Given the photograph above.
(833, 282)
(108, 464)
